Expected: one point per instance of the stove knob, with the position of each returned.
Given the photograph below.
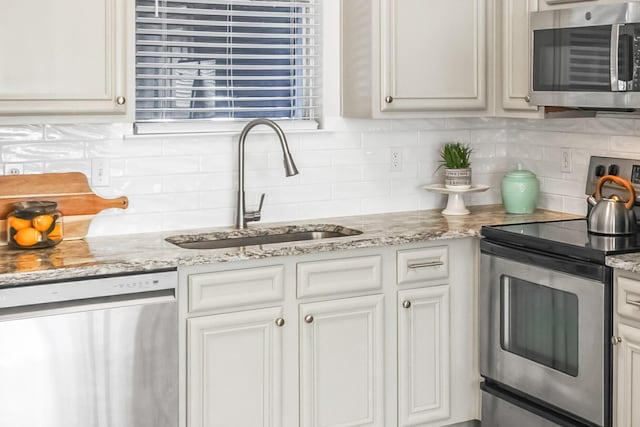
(600, 170)
(614, 170)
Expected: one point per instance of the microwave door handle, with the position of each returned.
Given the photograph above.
(613, 66)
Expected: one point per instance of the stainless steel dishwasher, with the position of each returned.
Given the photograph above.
(96, 352)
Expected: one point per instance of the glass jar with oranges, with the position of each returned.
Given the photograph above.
(34, 224)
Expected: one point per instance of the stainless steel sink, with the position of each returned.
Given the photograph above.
(264, 236)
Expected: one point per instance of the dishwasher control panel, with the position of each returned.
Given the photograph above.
(130, 286)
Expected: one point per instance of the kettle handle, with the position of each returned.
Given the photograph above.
(620, 181)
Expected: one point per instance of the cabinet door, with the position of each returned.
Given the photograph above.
(423, 355)
(433, 55)
(628, 377)
(64, 56)
(234, 369)
(515, 50)
(342, 362)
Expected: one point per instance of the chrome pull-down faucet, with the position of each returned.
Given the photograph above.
(242, 215)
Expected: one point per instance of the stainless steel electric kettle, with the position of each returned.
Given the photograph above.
(612, 215)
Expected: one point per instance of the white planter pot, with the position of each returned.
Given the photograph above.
(457, 178)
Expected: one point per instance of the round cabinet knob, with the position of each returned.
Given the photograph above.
(121, 100)
(388, 99)
(527, 99)
(406, 304)
(616, 340)
(308, 318)
(280, 322)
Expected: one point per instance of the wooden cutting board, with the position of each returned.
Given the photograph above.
(76, 201)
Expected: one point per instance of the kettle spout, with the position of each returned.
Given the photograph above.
(592, 200)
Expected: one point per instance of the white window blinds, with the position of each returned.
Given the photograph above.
(227, 60)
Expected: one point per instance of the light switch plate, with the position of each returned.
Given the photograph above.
(100, 173)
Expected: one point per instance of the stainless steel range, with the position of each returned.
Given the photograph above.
(546, 316)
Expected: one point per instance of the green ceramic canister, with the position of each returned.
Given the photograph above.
(520, 191)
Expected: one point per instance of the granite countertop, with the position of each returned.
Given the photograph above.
(145, 252)
(626, 262)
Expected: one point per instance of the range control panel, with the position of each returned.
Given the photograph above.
(628, 169)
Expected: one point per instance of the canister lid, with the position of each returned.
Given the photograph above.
(520, 173)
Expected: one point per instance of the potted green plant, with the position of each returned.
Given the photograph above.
(455, 158)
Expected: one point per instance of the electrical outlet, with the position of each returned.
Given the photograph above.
(100, 172)
(13, 168)
(396, 161)
(566, 165)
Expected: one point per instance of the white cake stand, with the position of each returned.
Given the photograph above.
(455, 204)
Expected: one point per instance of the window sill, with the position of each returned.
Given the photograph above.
(217, 128)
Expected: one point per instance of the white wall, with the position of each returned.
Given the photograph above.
(180, 182)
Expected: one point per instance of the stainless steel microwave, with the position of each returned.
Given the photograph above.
(586, 57)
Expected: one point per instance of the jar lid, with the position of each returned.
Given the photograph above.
(520, 173)
(35, 206)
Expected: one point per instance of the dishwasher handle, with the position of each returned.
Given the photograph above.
(124, 287)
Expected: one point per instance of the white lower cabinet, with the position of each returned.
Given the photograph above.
(626, 354)
(628, 376)
(234, 369)
(365, 337)
(423, 355)
(341, 362)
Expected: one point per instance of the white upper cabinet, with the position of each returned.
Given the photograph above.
(513, 57)
(67, 57)
(433, 55)
(412, 58)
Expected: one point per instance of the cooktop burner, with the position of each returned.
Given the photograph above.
(568, 238)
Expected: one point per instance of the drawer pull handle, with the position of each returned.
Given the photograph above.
(280, 322)
(417, 265)
(616, 340)
(406, 304)
(632, 302)
(308, 318)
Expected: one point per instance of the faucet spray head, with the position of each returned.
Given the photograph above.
(289, 167)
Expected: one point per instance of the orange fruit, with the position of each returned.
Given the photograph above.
(27, 237)
(19, 223)
(56, 233)
(42, 222)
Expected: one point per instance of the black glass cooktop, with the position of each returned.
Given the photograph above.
(562, 238)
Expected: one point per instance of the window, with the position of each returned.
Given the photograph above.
(224, 60)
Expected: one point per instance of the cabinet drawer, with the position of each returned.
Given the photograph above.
(232, 288)
(416, 265)
(338, 276)
(628, 298)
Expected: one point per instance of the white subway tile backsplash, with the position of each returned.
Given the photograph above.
(189, 181)
(389, 139)
(25, 152)
(163, 202)
(25, 133)
(160, 165)
(624, 144)
(417, 124)
(333, 174)
(331, 141)
(365, 189)
(575, 205)
(358, 157)
(59, 166)
(83, 132)
(114, 148)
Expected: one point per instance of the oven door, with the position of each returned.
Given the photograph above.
(542, 333)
